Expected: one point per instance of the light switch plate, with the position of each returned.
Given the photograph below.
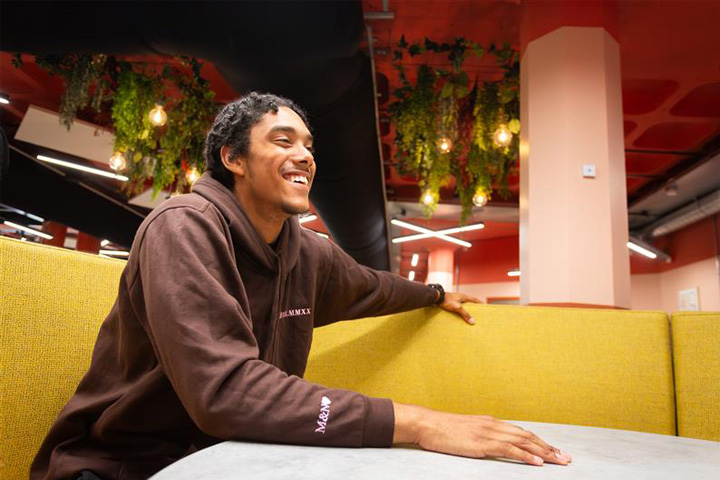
(588, 170)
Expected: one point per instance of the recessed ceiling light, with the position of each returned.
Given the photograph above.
(414, 260)
(672, 190)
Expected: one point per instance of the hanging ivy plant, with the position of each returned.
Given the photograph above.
(130, 90)
(445, 128)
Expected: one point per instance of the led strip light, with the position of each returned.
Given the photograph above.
(82, 168)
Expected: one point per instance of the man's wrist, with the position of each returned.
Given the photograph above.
(440, 291)
(408, 423)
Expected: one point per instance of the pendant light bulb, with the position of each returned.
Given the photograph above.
(158, 116)
(117, 162)
(480, 199)
(444, 144)
(428, 197)
(192, 175)
(502, 136)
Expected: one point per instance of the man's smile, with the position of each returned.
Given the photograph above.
(297, 177)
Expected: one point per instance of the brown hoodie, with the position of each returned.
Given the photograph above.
(208, 341)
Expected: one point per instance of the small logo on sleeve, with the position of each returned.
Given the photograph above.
(324, 415)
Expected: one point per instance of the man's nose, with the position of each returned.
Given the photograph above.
(305, 156)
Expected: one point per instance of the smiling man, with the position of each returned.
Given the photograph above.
(209, 337)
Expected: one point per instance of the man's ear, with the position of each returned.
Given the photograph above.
(236, 165)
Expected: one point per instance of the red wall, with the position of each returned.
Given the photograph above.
(691, 244)
(489, 260)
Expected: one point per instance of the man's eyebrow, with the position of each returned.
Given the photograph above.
(288, 129)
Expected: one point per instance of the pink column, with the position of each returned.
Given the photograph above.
(573, 229)
(441, 265)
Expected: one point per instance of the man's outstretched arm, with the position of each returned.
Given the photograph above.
(471, 436)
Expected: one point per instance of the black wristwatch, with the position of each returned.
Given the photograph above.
(441, 291)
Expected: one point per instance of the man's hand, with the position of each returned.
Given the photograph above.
(471, 436)
(453, 303)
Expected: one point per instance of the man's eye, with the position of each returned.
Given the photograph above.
(284, 140)
(310, 149)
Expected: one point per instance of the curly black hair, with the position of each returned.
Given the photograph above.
(232, 127)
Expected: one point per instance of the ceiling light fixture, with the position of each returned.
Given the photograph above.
(444, 144)
(105, 243)
(114, 253)
(515, 272)
(192, 176)
(83, 168)
(411, 275)
(158, 116)
(22, 212)
(29, 230)
(307, 218)
(641, 250)
(502, 136)
(4, 98)
(672, 190)
(480, 198)
(430, 233)
(427, 233)
(414, 260)
(117, 161)
(428, 197)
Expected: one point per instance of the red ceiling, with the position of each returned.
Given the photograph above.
(670, 68)
(670, 75)
(670, 72)
(32, 85)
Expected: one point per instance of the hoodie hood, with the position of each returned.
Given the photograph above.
(244, 234)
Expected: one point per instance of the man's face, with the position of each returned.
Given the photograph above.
(280, 166)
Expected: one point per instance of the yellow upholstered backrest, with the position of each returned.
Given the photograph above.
(605, 368)
(696, 354)
(52, 302)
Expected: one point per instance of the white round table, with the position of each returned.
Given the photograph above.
(598, 454)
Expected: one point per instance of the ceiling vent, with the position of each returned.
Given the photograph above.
(691, 213)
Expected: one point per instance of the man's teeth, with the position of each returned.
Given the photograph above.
(297, 179)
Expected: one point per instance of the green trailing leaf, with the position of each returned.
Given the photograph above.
(440, 104)
(160, 153)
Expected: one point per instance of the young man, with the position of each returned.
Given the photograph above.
(209, 337)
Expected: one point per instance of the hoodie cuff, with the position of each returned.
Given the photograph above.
(379, 422)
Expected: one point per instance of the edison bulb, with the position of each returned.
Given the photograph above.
(428, 198)
(502, 136)
(480, 198)
(158, 116)
(117, 161)
(192, 175)
(444, 144)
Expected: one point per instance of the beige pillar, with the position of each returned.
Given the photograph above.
(573, 229)
(441, 265)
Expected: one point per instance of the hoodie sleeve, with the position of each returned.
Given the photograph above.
(355, 291)
(202, 337)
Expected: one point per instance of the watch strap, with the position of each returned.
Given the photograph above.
(441, 291)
